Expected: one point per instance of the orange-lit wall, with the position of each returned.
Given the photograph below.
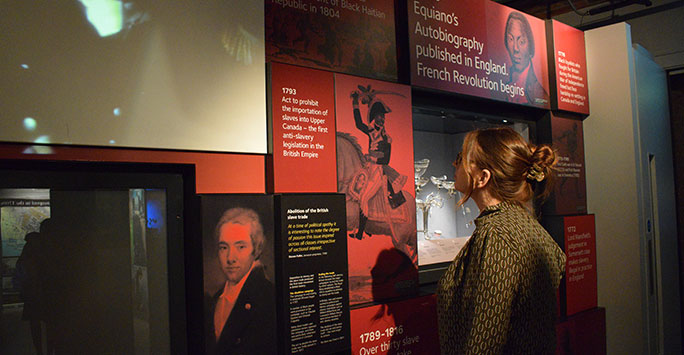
(215, 172)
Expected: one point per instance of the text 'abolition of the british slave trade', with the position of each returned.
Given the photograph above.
(306, 238)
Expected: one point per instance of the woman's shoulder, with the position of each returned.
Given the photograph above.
(498, 233)
(510, 224)
(503, 216)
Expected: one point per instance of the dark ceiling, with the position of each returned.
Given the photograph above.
(550, 8)
(605, 10)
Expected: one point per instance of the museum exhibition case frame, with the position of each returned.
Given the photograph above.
(440, 123)
(98, 239)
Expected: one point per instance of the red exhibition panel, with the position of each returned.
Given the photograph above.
(398, 122)
(402, 327)
(479, 48)
(303, 129)
(570, 66)
(580, 267)
(374, 155)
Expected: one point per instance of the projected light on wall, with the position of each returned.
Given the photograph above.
(42, 139)
(110, 17)
(39, 149)
(238, 44)
(30, 124)
(105, 15)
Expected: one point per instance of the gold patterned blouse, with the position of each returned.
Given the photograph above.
(498, 296)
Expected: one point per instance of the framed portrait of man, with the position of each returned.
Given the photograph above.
(238, 270)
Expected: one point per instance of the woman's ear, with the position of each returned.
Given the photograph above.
(483, 178)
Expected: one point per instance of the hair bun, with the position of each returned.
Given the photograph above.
(542, 161)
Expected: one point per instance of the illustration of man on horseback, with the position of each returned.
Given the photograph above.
(376, 171)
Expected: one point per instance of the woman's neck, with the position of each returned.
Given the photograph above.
(483, 199)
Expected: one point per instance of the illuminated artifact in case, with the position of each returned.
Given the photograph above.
(432, 200)
(440, 181)
(449, 186)
(465, 210)
(420, 168)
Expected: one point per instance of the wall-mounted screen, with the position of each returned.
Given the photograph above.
(154, 74)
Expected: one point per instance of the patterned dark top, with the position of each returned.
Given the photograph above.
(498, 296)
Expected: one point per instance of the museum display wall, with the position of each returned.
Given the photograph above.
(315, 115)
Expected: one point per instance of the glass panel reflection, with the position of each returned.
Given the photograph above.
(84, 271)
(443, 226)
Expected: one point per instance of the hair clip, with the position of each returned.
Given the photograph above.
(536, 173)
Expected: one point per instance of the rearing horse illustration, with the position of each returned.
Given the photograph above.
(352, 174)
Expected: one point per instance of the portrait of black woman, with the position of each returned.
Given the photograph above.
(240, 317)
(498, 296)
(519, 42)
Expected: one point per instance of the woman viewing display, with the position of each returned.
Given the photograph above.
(499, 294)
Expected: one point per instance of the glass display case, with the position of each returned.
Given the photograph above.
(92, 257)
(443, 225)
